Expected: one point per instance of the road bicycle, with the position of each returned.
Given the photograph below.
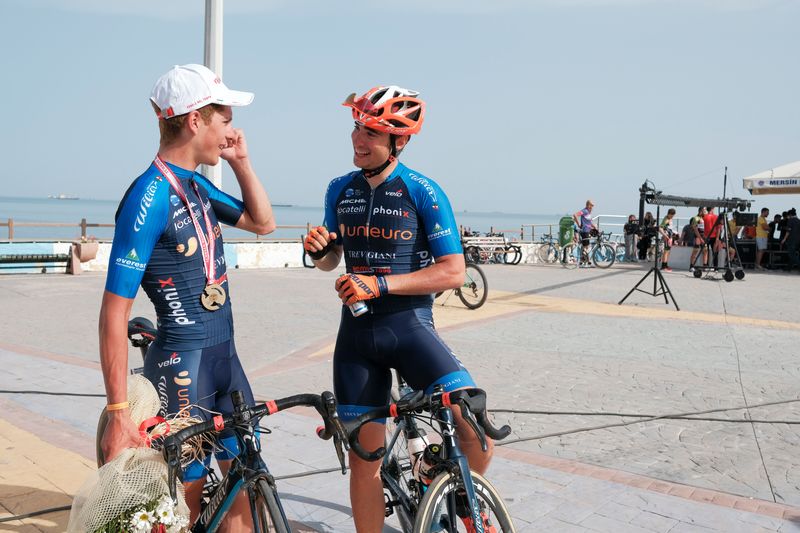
(248, 471)
(549, 249)
(600, 253)
(473, 291)
(434, 489)
(491, 248)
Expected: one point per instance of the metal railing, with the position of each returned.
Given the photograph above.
(12, 225)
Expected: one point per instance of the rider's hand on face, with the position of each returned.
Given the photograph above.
(236, 147)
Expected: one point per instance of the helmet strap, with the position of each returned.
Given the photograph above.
(372, 172)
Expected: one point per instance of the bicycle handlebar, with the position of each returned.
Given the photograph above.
(324, 403)
(473, 409)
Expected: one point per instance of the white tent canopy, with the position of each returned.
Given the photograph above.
(784, 179)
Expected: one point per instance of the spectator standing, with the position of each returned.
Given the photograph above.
(631, 237)
(646, 237)
(762, 237)
(667, 232)
(711, 233)
(698, 238)
(791, 238)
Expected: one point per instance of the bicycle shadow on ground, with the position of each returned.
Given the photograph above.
(16, 500)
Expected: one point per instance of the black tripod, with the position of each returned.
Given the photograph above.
(660, 286)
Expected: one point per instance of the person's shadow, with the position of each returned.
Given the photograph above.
(16, 500)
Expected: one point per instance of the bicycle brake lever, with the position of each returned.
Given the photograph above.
(337, 443)
(467, 415)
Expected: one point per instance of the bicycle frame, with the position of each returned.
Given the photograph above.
(241, 476)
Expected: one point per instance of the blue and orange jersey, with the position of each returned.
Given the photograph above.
(156, 246)
(397, 228)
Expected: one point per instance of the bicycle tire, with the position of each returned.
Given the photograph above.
(443, 492)
(268, 515)
(472, 254)
(475, 289)
(603, 255)
(498, 256)
(571, 255)
(517, 254)
(548, 253)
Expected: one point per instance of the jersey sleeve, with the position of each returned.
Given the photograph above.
(140, 221)
(437, 216)
(334, 190)
(227, 208)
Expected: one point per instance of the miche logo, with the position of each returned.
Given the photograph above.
(380, 210)
(187, 221)
(397, 194)
(182, 210)
(373, 232)
(145, 203)
(174, 359)
(177, 313)
(353, 201)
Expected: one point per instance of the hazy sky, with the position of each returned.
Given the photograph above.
(533, 106)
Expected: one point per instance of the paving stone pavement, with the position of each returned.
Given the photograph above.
(548, 339)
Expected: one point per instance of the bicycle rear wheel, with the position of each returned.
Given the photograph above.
(472, 254)
(445, 506)
(267, 512)
(603, 255)
(548, 253)
(397, 478)
(475, 289)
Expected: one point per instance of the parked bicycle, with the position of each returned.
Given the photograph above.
(490, 248)
(248, 470)
(431, 487)
(549, 249)
(473, 291)
(599, 253)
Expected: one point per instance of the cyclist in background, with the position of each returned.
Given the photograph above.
(389, 222)
(585, 224)
(168, 239)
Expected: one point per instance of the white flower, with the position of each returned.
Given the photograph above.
(178, 524)
(142, 521)
(165, 512)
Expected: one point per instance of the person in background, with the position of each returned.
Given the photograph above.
(791, 238)
(762, 237)
(773, 229)
(631, 230)
(711, 233)
(646, 238)
(698, 238)
(583, 221)
(667, 233)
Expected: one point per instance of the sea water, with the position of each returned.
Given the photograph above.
(65, 211)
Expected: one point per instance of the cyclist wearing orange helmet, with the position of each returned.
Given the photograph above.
(389, 222)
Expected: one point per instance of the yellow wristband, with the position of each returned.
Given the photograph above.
(116, 406)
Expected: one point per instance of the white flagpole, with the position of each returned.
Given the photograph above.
(212, 58)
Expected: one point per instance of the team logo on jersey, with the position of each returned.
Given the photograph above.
(174, 200)
(189, 248)
(374, 232)
(397, 194)
(425, 185)
(439, 232)
(144, 204)
(380, 210)
(174, 359)
(131, 261)
(349, 192)
(351, 210)
(177, 312)
(183, 380)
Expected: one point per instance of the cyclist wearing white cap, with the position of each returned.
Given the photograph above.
(168, 240)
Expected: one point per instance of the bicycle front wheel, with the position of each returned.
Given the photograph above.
(603, 255)
(267, 512)
(397, 477)
(445, 506)
(475, 289)
(571, 255)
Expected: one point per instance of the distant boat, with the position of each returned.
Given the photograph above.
(63, 197)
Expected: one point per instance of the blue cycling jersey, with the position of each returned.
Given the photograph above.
(156, 245)
(397, 228)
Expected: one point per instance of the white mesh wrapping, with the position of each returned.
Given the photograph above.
(134, 478)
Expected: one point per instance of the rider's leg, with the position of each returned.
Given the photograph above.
(239, 517)
(471, 444)
(366, 488)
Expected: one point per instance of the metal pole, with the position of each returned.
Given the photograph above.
(212, 58)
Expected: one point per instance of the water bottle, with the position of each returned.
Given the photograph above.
(416, 447)
(359, 308)
(431, 457)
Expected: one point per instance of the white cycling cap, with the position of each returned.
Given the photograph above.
(189, 87)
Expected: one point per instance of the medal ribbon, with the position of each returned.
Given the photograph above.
(207, 244)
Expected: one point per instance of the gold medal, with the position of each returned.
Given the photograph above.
(213, 297)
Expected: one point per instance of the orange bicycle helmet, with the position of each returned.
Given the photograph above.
(390, 109)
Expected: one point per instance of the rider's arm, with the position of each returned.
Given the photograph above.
(576, 218)
(446, 273)
(331, 260)
(326, 235)
(113, 328)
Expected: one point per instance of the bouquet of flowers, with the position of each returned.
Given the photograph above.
(156, 516)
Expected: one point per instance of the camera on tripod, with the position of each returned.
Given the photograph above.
(745, 219)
